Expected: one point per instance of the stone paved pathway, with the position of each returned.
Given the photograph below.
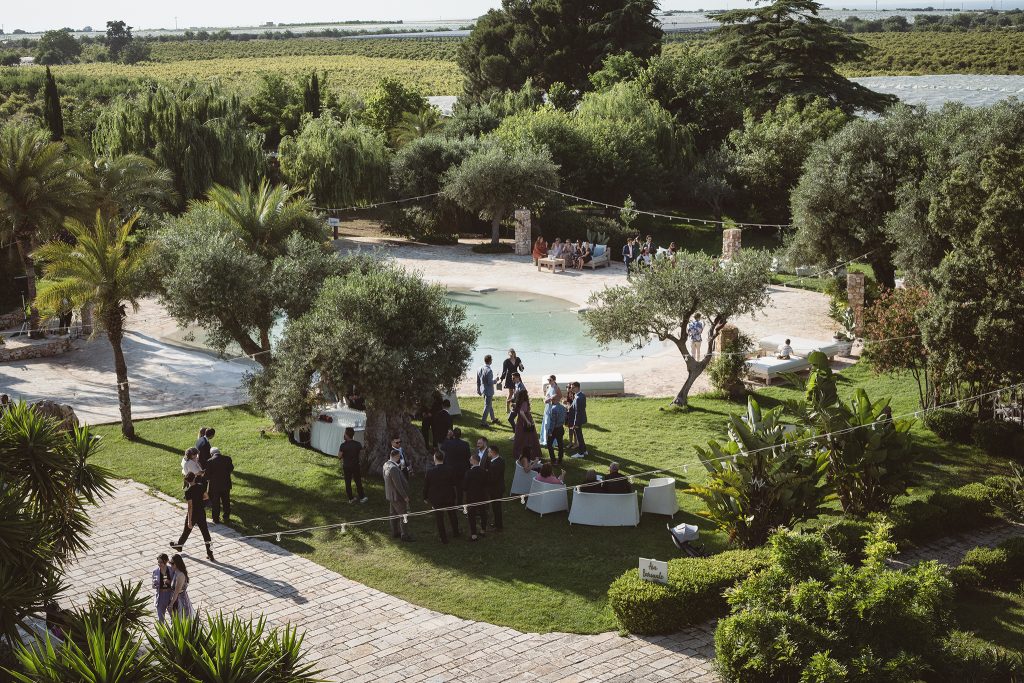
(355, 633)
(951, 549)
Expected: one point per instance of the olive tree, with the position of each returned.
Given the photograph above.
(494, 180)
(660, 301)
(385, 331)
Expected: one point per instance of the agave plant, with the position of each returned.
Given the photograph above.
(762, 478)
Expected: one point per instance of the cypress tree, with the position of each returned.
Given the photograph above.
(51, 108)
(311, 96)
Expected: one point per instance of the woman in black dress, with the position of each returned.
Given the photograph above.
(512, 365)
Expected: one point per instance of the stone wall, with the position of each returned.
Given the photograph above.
(732, 241)
(15, 350)
(524, 233)
(11, 320)
(855, 293)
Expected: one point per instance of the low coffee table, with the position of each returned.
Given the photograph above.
(553, 263)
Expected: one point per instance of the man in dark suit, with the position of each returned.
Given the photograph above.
(439, 491)
(615, 482)
(456, 458)
(218, 473)
(351, 467)
(630, 252)
(579, 418)
(495, 484)
(441, 422)
(203, 444)
(475, 486)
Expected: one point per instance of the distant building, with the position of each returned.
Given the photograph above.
(28, 61)
(270, 23)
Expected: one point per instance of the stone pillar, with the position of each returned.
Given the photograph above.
(524, 233)
(855, 295)
(732, 240)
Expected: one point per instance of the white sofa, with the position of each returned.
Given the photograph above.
(769, 367)
(592, 384)
(660, 497)
(552, 498)
(801, 346)
(602, 257)
(604, 509)
(521, 481)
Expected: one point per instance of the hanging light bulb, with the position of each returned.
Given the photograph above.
(465, 509)
(577, 489)
(522, 499)
(405, 519)
(277, 538)
(344, 528)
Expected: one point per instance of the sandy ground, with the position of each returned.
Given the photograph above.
(167, 379)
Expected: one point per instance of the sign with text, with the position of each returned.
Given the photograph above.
(653, 570)
(333, 222)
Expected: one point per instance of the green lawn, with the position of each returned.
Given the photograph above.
(540, 574)
(995, 616)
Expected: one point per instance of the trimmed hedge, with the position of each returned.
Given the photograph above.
(995, 437)
(846, 535)
(950, 424)
(999, 567)
(693, 595)
(945, 512)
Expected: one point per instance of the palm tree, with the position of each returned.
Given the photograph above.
(267, 216)
(103, 268)
(39, 187)
(416, 125)
(128, 184)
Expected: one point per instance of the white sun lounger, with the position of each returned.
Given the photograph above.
(801, 346)
(769, 367)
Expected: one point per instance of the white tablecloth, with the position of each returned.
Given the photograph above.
(326, 437)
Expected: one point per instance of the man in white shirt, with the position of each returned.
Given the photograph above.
(695, 330)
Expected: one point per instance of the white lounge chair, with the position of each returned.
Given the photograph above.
(769, 367)
(592, 384)
(801, 346)
(604, 509)
(552, 498)
(660, 497)
(521, 481)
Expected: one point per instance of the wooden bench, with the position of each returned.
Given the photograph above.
(553, 263)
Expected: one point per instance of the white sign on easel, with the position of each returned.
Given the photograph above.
(653, 570)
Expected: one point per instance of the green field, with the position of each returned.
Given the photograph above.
(192, 50)
(973, 52)
(540, 574)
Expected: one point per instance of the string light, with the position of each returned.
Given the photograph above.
(278, 538)
(522, 499)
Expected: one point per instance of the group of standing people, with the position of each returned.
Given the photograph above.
(207, 478)
(637, 253)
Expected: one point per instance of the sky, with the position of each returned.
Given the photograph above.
(35, 16)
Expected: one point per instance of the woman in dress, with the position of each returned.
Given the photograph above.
(540, 249)
(526, 440)
(552, 395)
(570, 415)
(512, 365)
(163, 583)
(586, 255)
(181, 604)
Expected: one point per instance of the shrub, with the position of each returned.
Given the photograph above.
(846, 535)
(968, 659)
(489, 248)
(811, 616)
(994, 437)
(950, 425)
(999, 567)
(1007, 493)
(727, 371)
(917, 520)
(423, 224)
(966, 507)
(694, 592)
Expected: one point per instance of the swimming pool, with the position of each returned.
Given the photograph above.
(546, 332)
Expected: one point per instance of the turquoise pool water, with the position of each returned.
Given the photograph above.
(545, 331)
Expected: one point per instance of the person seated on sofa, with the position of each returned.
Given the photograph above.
(586, 255)
(785, 351)
(556, 249)
(540, 249)
(591, 482)
(616, 482)
(547, 476)
(528, 464)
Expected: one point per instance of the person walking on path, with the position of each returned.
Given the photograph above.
(439, 491)
(163, 584)
(181, 604)
(396, 490)
(552, 396)
(485, 388)
(218, 478)
(512, 365)
(496, 485)
(475, 486)
(579, 418)
(525, 439)
(350, 465)
(695, 330)
(196, 514)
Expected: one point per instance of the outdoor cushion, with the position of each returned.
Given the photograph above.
(599, 249)
(660, 497)
(604, 509)
(547, 503)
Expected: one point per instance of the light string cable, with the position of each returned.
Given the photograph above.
(343, 526)
(828, 270)
(665, 215)
(374, 206)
